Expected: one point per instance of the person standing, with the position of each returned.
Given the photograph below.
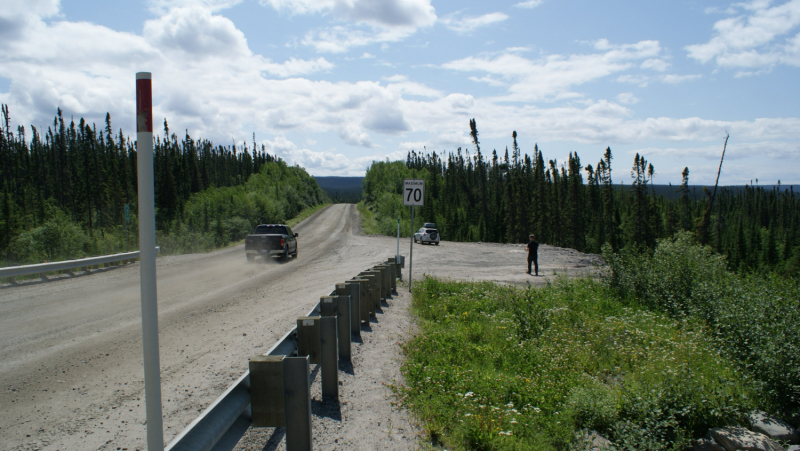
(533, 254)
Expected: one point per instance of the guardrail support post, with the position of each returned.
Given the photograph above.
(386, 277)
(297, 394)
(397, 271)
(267, 400)
(308, 339)
(330, 357)
(374, 291)
(354, 291)
(365, 306)
(339, 307)
(393, 270)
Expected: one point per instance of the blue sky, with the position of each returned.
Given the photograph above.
(332, 85)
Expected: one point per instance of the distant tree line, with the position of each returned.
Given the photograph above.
(503, 198)
(75, 177)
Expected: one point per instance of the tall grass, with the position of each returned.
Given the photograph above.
(505, 368)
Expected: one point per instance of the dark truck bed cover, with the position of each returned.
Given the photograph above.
(269, 240)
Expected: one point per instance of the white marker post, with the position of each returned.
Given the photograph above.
(147, 262)
(413, 195)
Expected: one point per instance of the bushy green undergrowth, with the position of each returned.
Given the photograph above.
(498, 367)
(755, 319)
(368, 224)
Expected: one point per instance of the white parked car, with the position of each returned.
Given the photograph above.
(427, 235)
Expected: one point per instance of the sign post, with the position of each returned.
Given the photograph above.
(413, 195)
(147, 261)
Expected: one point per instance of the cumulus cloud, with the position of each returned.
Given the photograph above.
(160, 7)
(195, 31)
(655, 64)
(295, 66)
(627, 98)
(319, 163)
(468, 24)
(529, 4)
(554, 76)
(752, 40)
(354, 136)
(366, 21)
(674, 79)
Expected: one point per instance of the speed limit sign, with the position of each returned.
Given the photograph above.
(413, 192)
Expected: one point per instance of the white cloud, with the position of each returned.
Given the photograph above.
(735, 150)
(674, 79)
(751, 41)
(627, 98)
(354, 136)
(530, 4)
(160, 7)
(319, 163)
(464, 25)
(655, 64)
(367, 21)
(641, 80)
(367, 56)
(552, 77)
(294, 67)
(195, 31)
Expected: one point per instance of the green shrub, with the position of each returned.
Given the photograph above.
(503, 368)
(755, 319)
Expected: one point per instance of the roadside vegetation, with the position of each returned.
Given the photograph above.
(368, 224)
(63, 191)
(503, 195)
(666, 346)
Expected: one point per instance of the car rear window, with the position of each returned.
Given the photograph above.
(271, 230)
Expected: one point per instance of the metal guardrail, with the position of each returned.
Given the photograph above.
(225, 421)
(68, 265)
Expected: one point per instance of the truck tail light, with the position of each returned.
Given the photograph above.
(282, 242)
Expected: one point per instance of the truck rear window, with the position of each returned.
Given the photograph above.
(270, 230)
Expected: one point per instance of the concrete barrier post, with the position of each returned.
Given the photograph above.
(352, 290)
(330, 357)
(308, 338)
(297, 395)
(393, 277)
(267, 400)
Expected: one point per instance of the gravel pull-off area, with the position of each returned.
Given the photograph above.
(71, 355)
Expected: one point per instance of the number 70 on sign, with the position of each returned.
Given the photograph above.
(413, 192)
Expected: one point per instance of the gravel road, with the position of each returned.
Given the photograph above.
(71, 373)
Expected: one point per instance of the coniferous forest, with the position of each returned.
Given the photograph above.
(63, 191)
(502, 197)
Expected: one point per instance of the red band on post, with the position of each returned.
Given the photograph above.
(144, 105)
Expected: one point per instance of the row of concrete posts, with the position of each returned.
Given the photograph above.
(280, 385)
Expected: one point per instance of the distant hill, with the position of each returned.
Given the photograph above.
(342, 189)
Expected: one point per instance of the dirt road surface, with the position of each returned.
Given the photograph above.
(71, 374)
